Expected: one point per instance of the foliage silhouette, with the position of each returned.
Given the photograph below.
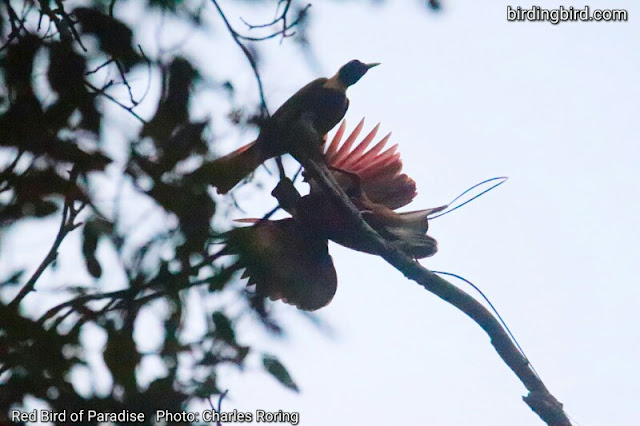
(63, 76)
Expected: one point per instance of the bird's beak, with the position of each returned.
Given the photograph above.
(371, 65)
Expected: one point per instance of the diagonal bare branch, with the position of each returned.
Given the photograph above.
(539, 399)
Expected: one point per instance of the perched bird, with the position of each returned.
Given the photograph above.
(374, 181)
(288, 259)
(323, 101)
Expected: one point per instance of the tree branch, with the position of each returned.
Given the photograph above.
(250, 58)
(237, 37)
(539, 399)
(104, 93)
(282, 17)
(166, 285)
(69, 214)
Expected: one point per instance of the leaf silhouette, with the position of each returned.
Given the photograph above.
(114, 37)
(91, 233)
(224, 327)
(18, 63)
(66, 77)
(173, 107)
(278, 371)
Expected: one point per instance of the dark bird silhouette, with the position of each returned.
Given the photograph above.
(323, 101)
(288, 259)
(285, 261)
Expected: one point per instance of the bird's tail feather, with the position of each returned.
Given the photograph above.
(420, 216)
(226, 172)
(410, 233)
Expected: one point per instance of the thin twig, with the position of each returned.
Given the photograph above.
(69, 214)
(13, 17)
(254, 66)
(15, 28)
(114, 100)
(65, 26)
(121, 295)
(69, 23)
(6, 172)
(148, 61)
(127, 85)
(280, 18)
(99, 67)
(219, 409)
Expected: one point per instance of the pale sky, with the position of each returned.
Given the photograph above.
(468, 96)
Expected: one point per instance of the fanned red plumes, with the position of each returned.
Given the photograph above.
(380, 172)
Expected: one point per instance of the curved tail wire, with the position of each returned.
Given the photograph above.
(495, 311)
(500, 179)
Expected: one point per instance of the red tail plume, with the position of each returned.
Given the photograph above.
(226, 172)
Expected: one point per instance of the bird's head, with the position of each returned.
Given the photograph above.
(353, 71)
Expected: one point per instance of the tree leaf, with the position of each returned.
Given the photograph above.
(13, 279)
(93, 230)
(114, 37)
(278, 371)
(224, 328)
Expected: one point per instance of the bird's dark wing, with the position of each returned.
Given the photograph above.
(285, 261)
(291, 109)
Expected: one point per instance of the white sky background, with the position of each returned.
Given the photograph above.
(468, 96)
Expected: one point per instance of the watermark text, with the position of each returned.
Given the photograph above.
(565, 14)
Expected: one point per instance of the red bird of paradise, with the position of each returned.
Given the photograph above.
(289, 260)
(323, 101)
